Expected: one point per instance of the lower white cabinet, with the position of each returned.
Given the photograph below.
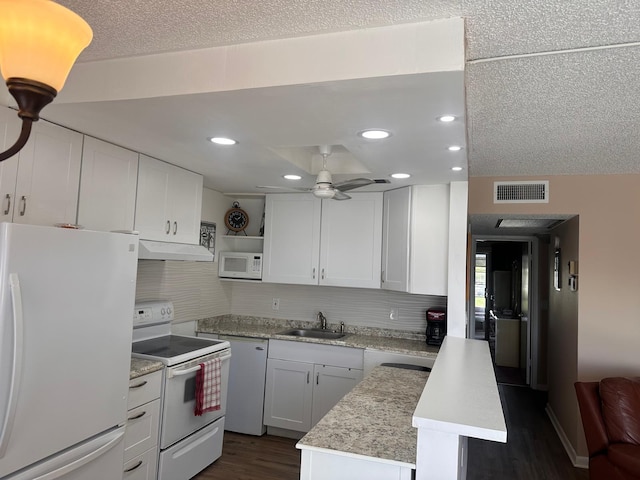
(307, 381)
(331, 384)
(142, 428)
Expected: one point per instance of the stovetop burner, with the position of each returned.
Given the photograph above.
(171, 345)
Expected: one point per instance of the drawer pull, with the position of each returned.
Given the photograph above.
(140, 415)
(131, 387)
(137, 465)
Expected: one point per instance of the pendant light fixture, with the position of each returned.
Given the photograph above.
(39, 42)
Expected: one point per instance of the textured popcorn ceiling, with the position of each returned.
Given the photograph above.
(569, 113)
(125, 27)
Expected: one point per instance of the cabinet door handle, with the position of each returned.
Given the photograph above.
(318, 378)
(137, 465)
(323, 274)
(313, 275)
(259, 348)
(175, 227)
(24, 205)
(168, 227)
(140, 415)
(382, 276)
(142, 384)
(8, 197)
(307, 377)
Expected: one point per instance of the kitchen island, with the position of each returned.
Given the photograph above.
(368, 434)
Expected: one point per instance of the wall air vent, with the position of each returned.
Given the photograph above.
(521, 192)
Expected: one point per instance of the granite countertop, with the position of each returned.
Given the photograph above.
(374, 419)
(140, 367)
(357, 337)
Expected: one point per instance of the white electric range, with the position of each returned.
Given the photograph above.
(188, 443)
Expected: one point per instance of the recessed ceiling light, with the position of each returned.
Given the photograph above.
(292, 177)
(456, 169)
(400, 175)
(375, 134)
(223, 141)
(454, 148)
(447, 118)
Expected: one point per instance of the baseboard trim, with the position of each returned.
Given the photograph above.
(577, 460)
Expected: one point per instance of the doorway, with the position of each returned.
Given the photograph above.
(505, 304)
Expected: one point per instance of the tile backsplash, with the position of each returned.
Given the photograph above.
(197, 292)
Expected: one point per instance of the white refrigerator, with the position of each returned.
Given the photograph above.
(66, 298)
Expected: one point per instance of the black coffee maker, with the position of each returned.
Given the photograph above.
(436, 325)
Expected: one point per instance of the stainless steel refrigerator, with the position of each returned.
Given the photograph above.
(66, 298)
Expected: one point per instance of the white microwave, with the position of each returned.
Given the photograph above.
(240, 265)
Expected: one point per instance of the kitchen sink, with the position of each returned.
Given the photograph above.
(313, 333)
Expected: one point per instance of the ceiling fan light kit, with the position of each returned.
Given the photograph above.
(324, 187)
(39, 42)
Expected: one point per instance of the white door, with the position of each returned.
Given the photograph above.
(395, 239)
(291, 239)
(107, 186)
(351, 241)
(77, 291)
(48, 176)
(152, 209)
(331, 384)
(288, 395)
(185, 206)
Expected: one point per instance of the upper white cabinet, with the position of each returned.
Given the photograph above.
(291, 238)
(314, 242)
(107, 186)
(169, 202)
(40, 184)
(416, 239)
(395, 239)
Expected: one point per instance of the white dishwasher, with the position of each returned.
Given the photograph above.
(247, 374)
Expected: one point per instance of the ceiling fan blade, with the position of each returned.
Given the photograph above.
(353, 183)
(340, 195)
(289, 189)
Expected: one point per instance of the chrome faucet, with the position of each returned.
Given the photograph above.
(323, 321)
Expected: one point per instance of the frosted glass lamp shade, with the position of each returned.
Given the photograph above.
(40, 40)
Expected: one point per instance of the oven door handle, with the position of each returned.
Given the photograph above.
(187, 371)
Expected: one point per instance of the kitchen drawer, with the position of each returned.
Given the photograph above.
(144, 389)
(141, 431)
(347, 357)
(142, 467)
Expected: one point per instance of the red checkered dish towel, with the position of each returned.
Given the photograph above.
(208, 387)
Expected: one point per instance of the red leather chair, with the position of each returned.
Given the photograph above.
(610, 411)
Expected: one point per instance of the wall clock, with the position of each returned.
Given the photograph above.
(236, 219)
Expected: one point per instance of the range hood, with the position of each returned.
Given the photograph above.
(149, 250)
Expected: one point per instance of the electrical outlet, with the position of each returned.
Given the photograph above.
(394, 313)
(276, 304)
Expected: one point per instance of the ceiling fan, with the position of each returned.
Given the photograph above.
(324, 186)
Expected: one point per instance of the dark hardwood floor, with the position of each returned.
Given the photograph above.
(533, 450)
(245, 457)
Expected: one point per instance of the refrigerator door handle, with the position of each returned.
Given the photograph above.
(16, 369)
(74, 459)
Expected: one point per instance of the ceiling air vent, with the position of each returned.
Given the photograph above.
(521, 192)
